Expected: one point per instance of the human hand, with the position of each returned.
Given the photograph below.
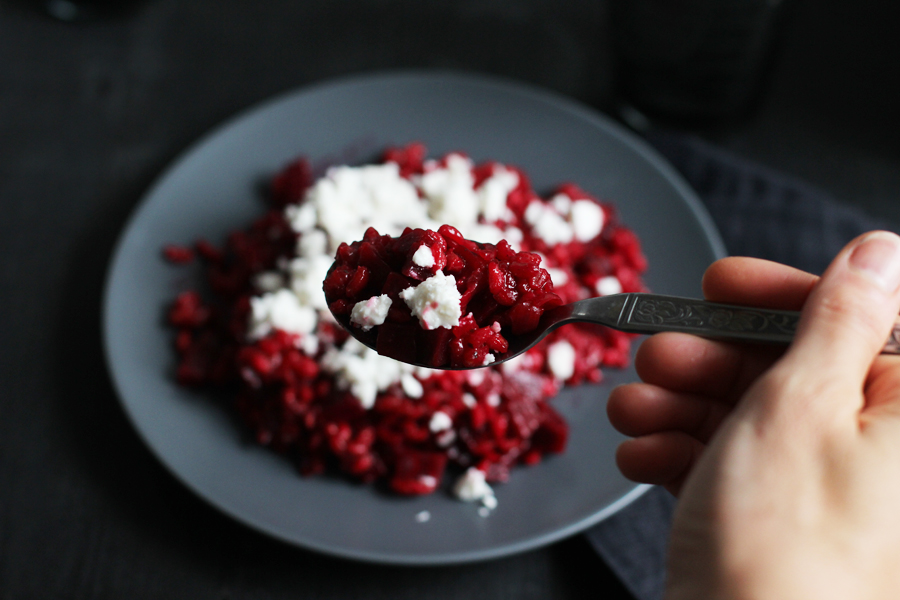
(787, 466)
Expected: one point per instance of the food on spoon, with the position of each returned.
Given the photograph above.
(262, 334)
(435, 298)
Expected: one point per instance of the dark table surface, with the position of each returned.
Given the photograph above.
(91, 112)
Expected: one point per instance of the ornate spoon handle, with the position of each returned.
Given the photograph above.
(652, 313)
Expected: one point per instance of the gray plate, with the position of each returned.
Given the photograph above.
(213, 188)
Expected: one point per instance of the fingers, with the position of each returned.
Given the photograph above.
(686, 363)
(756, 282)
(848, 316)
(691, 384)
(662, 459)
(639, 409)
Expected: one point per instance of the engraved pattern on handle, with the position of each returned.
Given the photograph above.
(711, 319)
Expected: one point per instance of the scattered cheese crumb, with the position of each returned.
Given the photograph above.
(472, 487)
(423, 516)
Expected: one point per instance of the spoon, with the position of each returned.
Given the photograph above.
(653, 313)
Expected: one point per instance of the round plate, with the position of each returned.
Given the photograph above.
(214, 188)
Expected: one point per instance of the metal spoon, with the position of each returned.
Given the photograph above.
(654, 313)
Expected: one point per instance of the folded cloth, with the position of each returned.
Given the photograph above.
(759, 213)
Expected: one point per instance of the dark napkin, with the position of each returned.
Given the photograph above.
(759, 213)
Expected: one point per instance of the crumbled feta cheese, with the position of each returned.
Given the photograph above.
(412, 387)
(423, 516)
(472, 487)
(450, 191)
(493, 192)
(608, 285)
(513, 364)
(283, 310)
(475, 378)
(440, 421)
(488, 359)
(348, 200)
(469, 400)
(562, 219)
(313, 242)
(269, 281)
(561, 203)
(445, 438)
(586, 217)
(435, 301)
(548, 224)
(363, 371)
(557, 276)
(309, 344)
(302, 217)
(307, 275)
(369, 313)
(489, 234)
(561, 360)
(423, 257)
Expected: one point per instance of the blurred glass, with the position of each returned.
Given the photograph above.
(82, 10)
(702, 61)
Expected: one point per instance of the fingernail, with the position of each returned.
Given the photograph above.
(878, 256)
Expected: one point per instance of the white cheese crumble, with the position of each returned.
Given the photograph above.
(559, 277)
(445, 438)
(561, 360)
(349, 200)
(548, 224)
(280, 310)
(269, 281)
(423, 257)
(412, 387)
(423, 516)
(493, 192)
(440, 421)
(366, 373)
(563, 219)
(369, 313)
(435, 301)
(608, 285)
(472, 487)
(307, 274)
(586, 217)
(451, 199)
(450, 191)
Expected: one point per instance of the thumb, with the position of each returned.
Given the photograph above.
(849, 314)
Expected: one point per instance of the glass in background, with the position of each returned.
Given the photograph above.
(85, 10)
(694, 62)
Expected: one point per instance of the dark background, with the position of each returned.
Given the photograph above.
(90, 113)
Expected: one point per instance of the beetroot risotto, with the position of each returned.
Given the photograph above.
(263, 333)
(406, 296)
